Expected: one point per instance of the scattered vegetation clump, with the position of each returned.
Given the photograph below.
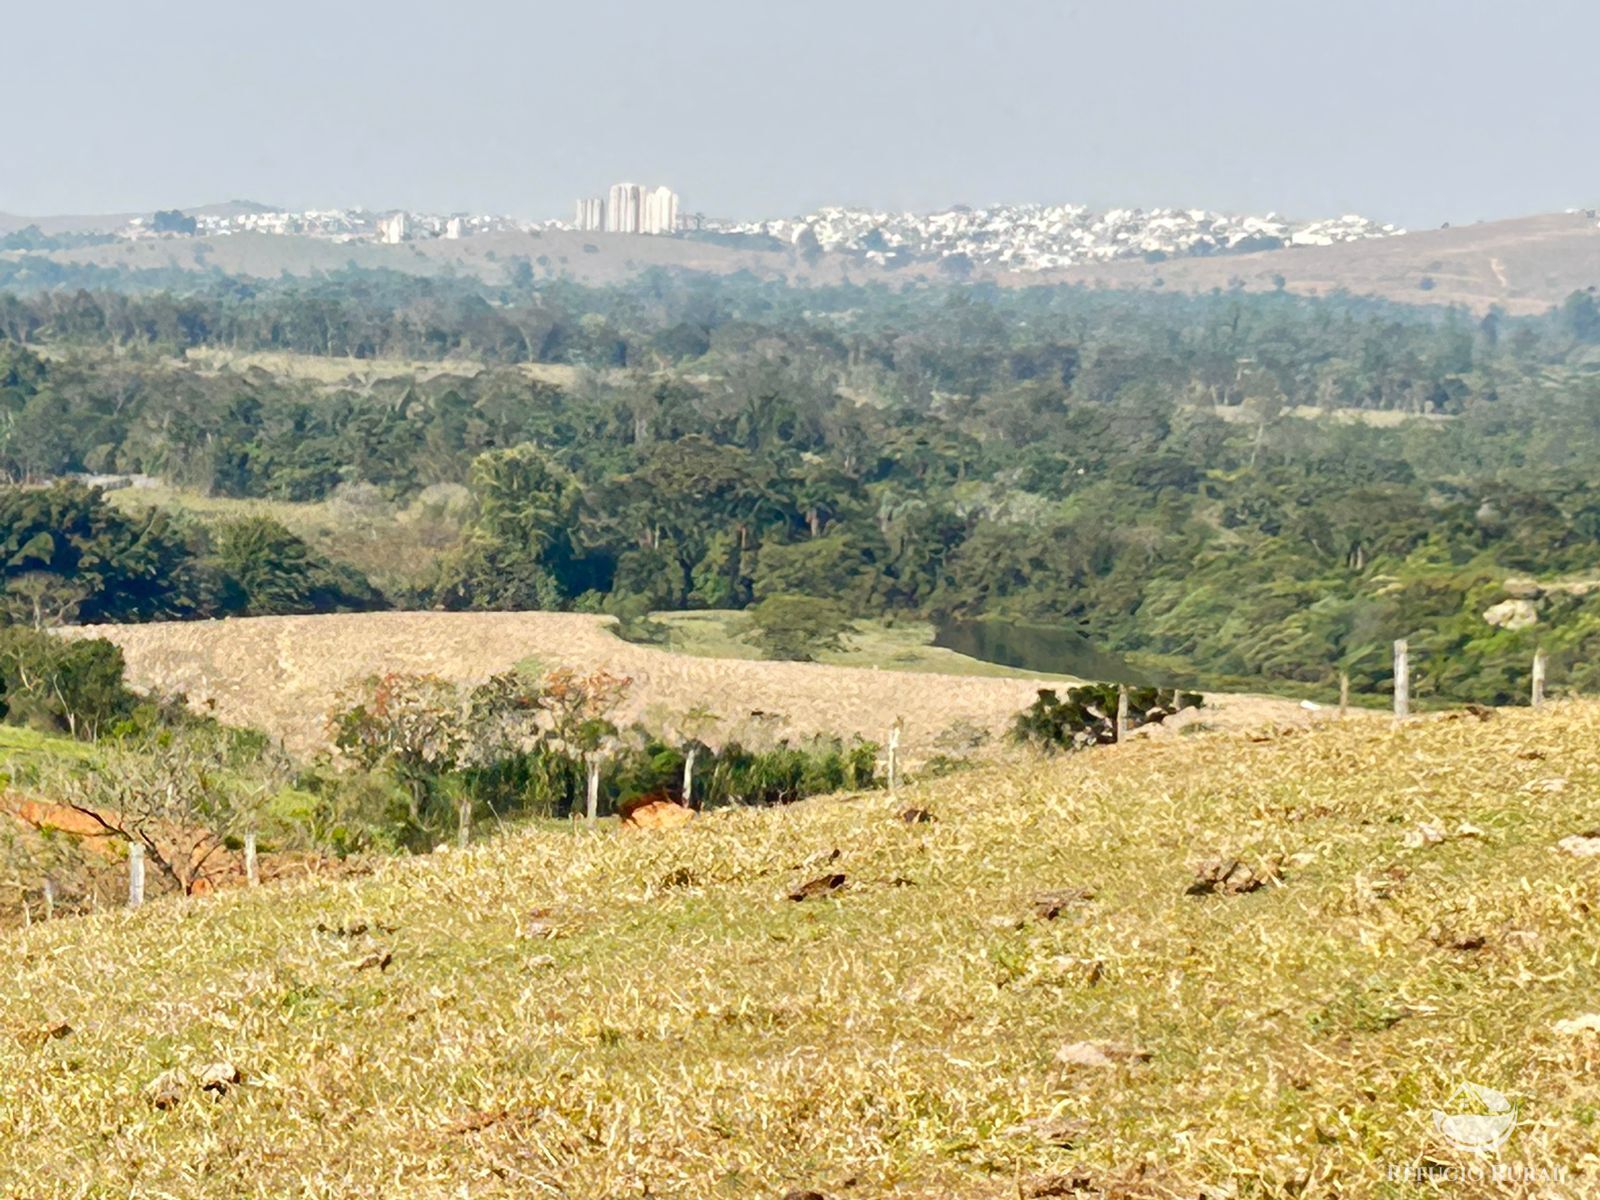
(520, 746)
(1087, 715)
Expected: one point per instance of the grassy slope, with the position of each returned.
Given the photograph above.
(394, 548)
(892, 646)
(692, 1033)
(21, 747)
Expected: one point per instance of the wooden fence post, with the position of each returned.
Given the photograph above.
(894, 758)
(689, 756)
(1402, 679)
(591, 803)
(252, 872)
(464, 821)
(49, 898)
(1122, 712)
(1540, 662)
(135, 874)
(1344, 693)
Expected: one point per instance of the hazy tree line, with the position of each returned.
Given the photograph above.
(1175, 475)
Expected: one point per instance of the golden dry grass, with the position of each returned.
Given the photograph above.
(283, 673)
(624, 1015)
(334, 369)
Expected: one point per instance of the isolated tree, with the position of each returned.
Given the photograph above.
(798, 628)
(173, 220)
(832, 565)
(1580, 316)
(957, 265)
(1087, 715)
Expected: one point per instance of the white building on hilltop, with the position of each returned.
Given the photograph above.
(591, 214)
(624, 208)
(660, 213)
(392, 230)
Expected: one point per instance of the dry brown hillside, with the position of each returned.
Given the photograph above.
(283, 673)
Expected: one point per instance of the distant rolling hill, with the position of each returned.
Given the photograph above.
(110, 222)
(596, 258)
(1524, 265)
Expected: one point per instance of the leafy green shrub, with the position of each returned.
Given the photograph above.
(269, 571)
(342, 812)
(119, 567)
(52, 684)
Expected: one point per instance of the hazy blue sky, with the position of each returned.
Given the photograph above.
(1417, 111)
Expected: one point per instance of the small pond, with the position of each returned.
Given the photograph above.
(1051, 649)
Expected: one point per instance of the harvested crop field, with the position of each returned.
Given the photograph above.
(282, 674)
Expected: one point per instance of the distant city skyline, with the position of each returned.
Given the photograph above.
(1420, 113)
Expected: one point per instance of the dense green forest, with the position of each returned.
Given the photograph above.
(1226, 488)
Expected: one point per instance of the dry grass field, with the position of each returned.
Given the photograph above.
(335, 370)
(283, 673)
(624, 1014)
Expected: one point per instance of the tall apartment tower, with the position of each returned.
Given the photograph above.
(660, 211)
(591, 214)
(625, 208)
